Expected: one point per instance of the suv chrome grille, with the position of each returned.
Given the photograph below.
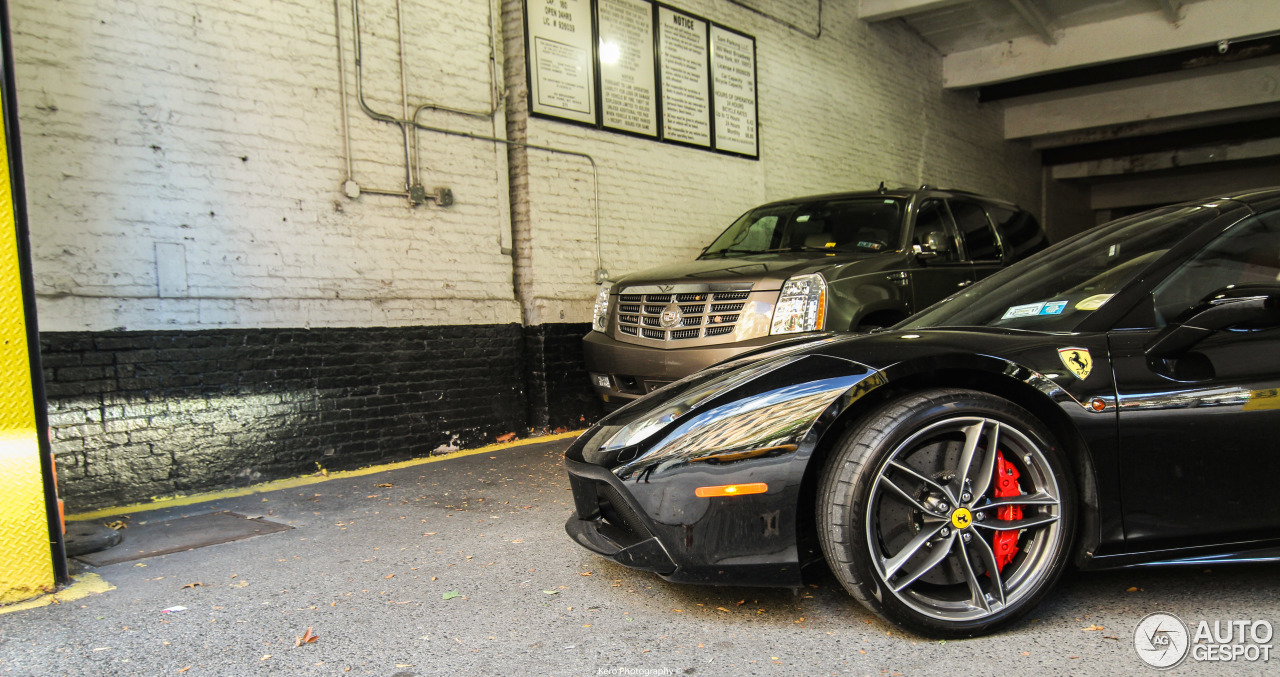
(641, 314)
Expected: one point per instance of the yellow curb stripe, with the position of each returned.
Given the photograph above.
(305, 480)
(83, 586)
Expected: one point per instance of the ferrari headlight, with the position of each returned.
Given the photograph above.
(801, 306)
(644, 427)
(600, 319)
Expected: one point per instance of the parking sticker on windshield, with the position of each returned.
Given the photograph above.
(1094, 302)
(1025, 310)
(1033, 309)
(1053, 308)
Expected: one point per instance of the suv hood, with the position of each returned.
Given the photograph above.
(764, 272)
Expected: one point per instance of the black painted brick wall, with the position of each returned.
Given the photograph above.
(560, 395)
(142, 414)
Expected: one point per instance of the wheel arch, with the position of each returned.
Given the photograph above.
(973, 372)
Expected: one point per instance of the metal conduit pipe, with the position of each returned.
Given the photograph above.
(411, 125)
(342, 93)
(404, 129)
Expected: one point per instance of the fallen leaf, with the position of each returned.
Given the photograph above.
(451, 594)
(862, 651)
(265, 657)
(1110, 637)
(306, 638)
(385, 485)
(1093, 628)
(117, 525)
(506, 438)
(552, 592)
(197, 584)
(585, 573)
(1133, 589)
(1026, 653)
(389, 576)
(741, 602)
(724, 609)
(185, 669)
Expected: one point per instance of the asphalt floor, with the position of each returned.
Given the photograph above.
(462, 567)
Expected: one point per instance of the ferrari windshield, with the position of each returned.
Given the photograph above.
(865, 224)
(1058, 288)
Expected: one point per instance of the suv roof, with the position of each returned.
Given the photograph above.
(902, 193)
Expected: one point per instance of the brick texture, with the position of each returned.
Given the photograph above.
(141, 414)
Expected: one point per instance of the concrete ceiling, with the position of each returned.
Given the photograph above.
(1137, 101)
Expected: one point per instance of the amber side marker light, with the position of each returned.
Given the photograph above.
(731, 490)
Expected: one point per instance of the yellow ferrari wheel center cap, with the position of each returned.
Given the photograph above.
(961, 518)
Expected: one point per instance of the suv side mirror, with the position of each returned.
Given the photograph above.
(1243, 306)
(935, 244)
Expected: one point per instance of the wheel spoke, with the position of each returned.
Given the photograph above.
(989, 561)
(972, 434)
(1011, 525)
(911, 471)
(893, 564)
(975, 586)
(987, 471)
(939, 553)
(908, 497)
(1040, 498)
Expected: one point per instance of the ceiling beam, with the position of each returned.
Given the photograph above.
(1172, 10)
(1035, 19)
(883, 10)
(1140, 191)
(1184, 157)
(1248, 83)
(1243, 118)
(1203, 23)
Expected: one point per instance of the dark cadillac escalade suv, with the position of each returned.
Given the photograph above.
(840, 262)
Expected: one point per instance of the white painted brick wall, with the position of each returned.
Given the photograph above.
(215, 125)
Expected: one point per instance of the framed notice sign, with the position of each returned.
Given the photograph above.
(686, 85)
(733, 79)
(628, 89)
(560, 59)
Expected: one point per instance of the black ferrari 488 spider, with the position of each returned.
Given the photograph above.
(1112, 401)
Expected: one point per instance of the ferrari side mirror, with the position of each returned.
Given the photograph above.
(1244, 307)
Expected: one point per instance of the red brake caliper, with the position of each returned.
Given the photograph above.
(1005, 543)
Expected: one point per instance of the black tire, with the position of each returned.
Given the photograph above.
(881, 503)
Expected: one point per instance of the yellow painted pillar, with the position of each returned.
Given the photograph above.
(27, 559)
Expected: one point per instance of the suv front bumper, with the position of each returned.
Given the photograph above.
(633, 371)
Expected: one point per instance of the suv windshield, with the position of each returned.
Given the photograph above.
(855, 224)
(1060, 287)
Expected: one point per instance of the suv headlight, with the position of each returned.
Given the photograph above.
(600, 319)
(802, 305)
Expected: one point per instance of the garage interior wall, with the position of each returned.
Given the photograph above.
(216, 310)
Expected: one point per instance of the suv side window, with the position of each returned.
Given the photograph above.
(980, 243)
(1019, 231)
(933, 217)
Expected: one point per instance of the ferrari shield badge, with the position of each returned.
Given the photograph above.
(1077, 361)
